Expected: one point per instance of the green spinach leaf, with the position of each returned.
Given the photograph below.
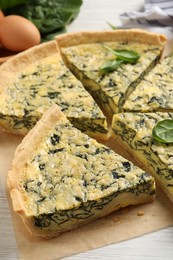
(121, 56)
(163, 131)
(110, 66)
(50, 15)
(125, 55)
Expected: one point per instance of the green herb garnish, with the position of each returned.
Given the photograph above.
(121, 56)
(163, 131)
(127, 56)
(110, 65)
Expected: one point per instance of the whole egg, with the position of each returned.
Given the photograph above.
(1, 17)
(18, 33)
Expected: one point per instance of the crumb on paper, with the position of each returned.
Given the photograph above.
(117, 219)
(125, 210)
(140, 213)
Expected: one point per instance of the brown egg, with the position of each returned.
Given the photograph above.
(18, 33)
(1, 17)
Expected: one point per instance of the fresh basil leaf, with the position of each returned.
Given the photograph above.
(110, 66)
(4, 4)
(163, 131)
(50, 15)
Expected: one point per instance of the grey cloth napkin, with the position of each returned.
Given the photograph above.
(157, 16)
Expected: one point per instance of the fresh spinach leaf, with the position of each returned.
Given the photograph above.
(121, 56)
(50, 15)
(110, 66)
(125, 55)
(163, 131)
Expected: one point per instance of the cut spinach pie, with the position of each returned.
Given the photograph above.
(85, 54)
(112, 86)
(61, 178)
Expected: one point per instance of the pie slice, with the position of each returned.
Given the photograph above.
(133, 132)
(155, 91)
(33, 81)
(85, 53)
(61, 178)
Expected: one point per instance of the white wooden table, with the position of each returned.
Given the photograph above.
(94, 15)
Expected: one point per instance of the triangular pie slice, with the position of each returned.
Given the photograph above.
(62, 179)
(155, 91)
(85, 53)
(132, 132)
(33, 81)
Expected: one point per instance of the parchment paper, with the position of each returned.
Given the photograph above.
(122, 225)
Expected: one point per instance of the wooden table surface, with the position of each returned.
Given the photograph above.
(94, 15)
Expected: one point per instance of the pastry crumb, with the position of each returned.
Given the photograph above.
(125, 210)
(118, 219)
(140, 213)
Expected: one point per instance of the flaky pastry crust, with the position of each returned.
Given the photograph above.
(135, 35)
